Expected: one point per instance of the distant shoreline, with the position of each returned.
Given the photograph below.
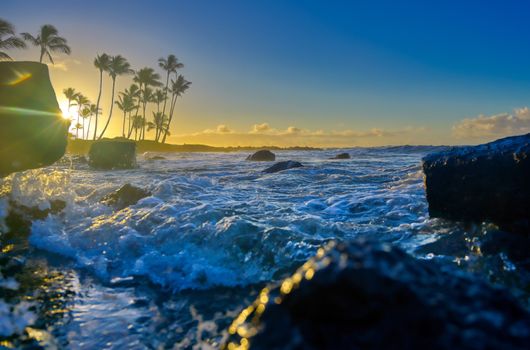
(82, 147)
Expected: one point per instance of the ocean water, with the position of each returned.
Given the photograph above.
(172, 270)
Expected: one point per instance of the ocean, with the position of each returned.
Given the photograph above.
(172, 270)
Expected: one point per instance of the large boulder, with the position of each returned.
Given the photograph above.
(33, 132)
(281, 166)
(367, 295)
(262, 156)
(108, 154)
(488, 182)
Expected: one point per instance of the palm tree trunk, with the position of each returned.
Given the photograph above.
(131, 126)
(88, 129)
(171, 110)
(111, 107)
(123, 126)
(97, 103)
(165, 91)
(41, 54)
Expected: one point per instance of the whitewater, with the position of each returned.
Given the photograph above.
(174, 268)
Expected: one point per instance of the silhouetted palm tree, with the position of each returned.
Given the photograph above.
(118, 66)
(145, 78)
(84, 114)
(134, 94)
(93, 111)
(11, 42)
(101, 62)
(126, 104)
(159, 124)
(70, 95)
(49, 41)
(170, 64)
(158, 97)
(138, 123)
(81, 101)
(178, 88)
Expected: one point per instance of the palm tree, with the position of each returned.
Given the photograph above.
(138, 123)
(85, 113)
(158, 97)
(118, 66)
(70, 95)
(126, 104)
(134, 94)
(159, 123)
(178, 88)
(11, 42)
(93, 111)
(146, 77)
(81, 102)
(170, 65)
(101, 62)
(146, 97)
(49, 41)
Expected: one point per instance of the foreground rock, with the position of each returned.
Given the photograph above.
(341, 156)
(367, 295)
(125, 196)
(112, 154)
(262, 156)
(33, 133)
(489, 182)
(281, 166)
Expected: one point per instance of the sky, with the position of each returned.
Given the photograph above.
(307, 73)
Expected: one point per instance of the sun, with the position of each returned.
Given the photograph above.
(67, 114)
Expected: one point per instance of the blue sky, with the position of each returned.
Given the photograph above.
(378, 72)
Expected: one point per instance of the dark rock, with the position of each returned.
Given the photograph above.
(489, 182)
(341, 156)
(125, 196)
(280, 166)
(33, 132)
(112, 154)
(20, 216)
(262, 156)
(515, 246)
(366, 295)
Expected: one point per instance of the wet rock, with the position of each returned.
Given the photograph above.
(515, 246)
(482, 183)
(125, 196)
(366, 295)
(109, 154)
(341, 156)
(33, 133)
(280, 166)
(157, 158)
(20, 216)
(262, 156)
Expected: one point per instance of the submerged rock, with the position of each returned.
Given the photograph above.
(367, 295)
(262, 156)
(33, 133)
(125, 196)
(280, 166)
(341, 156)
(112, 154)
(488, 182)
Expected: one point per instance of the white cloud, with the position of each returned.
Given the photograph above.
(63, 65)
(260, 128)
(220, 129)
(498, 125)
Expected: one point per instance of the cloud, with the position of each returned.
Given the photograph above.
(260, 128)
(263, 134)
(220, 129)
(494, 126)
(63, 65)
